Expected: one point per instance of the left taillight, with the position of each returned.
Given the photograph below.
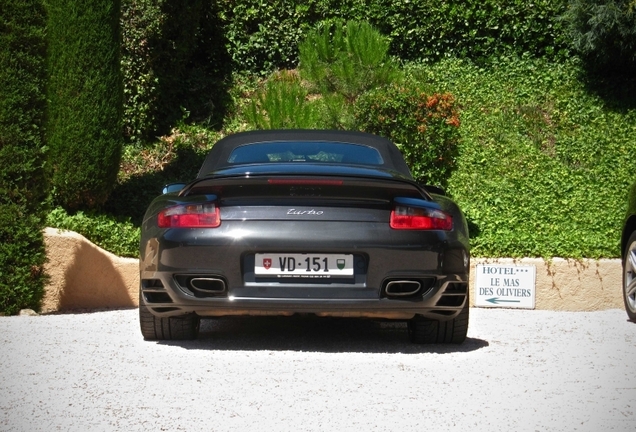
(206, 215)
(414, 218)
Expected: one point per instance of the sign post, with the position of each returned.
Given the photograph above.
(511, 286)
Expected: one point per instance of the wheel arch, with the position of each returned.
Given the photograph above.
(629, 228)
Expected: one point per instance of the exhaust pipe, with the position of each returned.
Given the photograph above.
(207, 286)
(402, 288)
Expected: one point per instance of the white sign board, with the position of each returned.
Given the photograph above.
(509, 286)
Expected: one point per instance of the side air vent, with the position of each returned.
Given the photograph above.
(450, 301)
(456, 288)
(154, 292)
(157, 297)
(151, 283)
(454, 295)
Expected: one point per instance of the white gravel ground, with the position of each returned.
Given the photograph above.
(518, 371)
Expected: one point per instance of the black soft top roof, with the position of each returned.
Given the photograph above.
(220, 153)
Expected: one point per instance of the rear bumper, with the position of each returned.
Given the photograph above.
(222, 263)
(443, 300)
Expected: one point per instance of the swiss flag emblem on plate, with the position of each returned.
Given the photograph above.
(267, 263)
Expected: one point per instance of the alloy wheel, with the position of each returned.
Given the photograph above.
(629, 279)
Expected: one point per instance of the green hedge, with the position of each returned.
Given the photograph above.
(545, 166)
(23, 182)
(265, 35)
(85, 100)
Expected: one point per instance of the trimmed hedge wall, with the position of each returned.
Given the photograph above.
(85, 100)
(23, 185)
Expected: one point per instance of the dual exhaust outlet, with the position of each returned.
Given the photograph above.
(211, 286)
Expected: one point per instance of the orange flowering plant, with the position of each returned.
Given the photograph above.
(424, 125)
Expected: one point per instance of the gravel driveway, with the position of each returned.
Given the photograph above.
(518, 371)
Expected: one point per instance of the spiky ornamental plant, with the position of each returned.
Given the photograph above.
(346, 58)
(282, 104)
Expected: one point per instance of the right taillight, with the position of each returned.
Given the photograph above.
(206, 215)
(414, 218)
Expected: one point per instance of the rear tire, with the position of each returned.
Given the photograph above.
(172, 328)
(428, 331)
(629, 277)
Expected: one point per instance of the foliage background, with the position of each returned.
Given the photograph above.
(538, 131)
(544, 153)
(603, 32)
(180, 59)
(545, 165)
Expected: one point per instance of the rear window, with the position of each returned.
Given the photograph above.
(305, 151)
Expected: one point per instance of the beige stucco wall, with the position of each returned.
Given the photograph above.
(82, 275)
(85, 276)
(569, 285)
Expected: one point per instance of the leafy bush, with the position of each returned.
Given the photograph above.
(544, 166)
(85, 100)
(23, 181)
(424, 126)
(430, 30)
(604, 31)
(116, 235)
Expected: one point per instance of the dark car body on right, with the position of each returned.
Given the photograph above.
(628, 249)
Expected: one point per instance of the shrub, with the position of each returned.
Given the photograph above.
(429, 30)
(424, 126)
(145, 170)
(23, 181)
(604, 31)
(85, 100)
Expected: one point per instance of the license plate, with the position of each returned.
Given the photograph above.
(303, 265)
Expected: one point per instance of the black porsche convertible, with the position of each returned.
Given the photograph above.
(285, 222)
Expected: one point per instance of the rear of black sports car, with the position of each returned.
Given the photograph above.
(286, 222)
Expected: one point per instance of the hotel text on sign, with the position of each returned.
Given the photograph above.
(509, 286)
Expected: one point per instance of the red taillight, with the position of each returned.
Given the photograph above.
(411, 218)
(190, 216)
